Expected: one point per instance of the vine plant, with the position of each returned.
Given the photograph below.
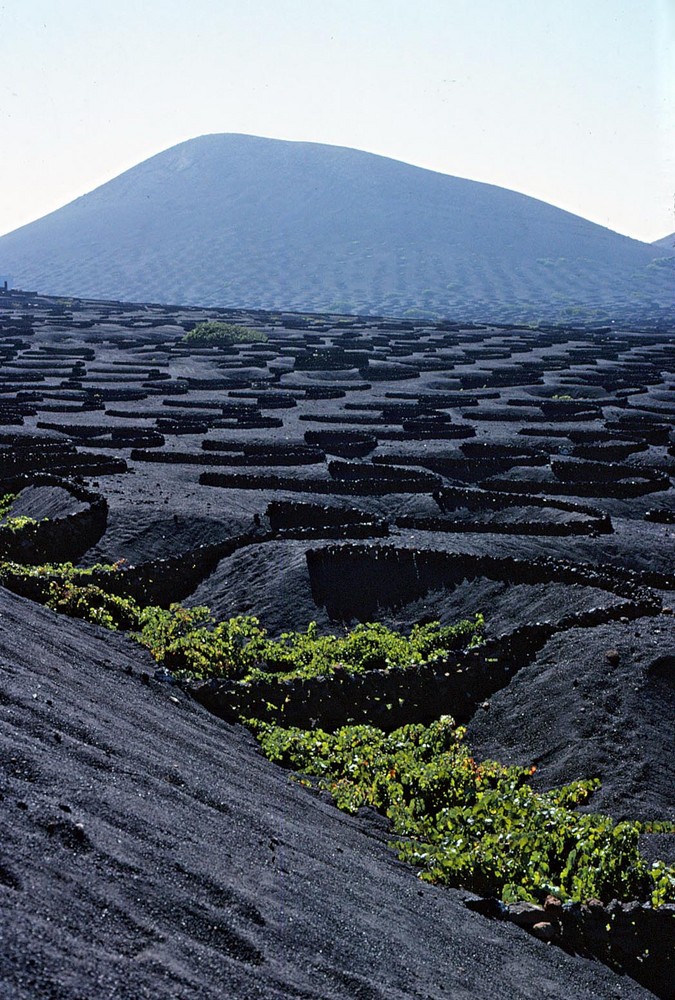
(461, 822)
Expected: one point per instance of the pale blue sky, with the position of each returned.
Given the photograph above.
(571, 101)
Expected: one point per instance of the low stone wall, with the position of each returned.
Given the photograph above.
(293, 514)
(347, 419)
(324, 392)
(272, 400)
(159, 387)
(337, 532)
(389, 372)
(129, 439)
(658, 516)
(249, 423)
(191, 404)
(440, 400)
(11, 418)
(87, 430)
(570, 409)
(633, 938)
(618, 489)
(521, 454)
(309, 520)
(272, 457)
(652, 432)
(63, 539)
(500, 380)
(165, 581)
(60, 460)
(247, 411)
(267, 448)
(603, 472)
(395, 412)
(365, 472)
(20, 442)
(348, 444)
(609, 452)
(105, 436)
(185, 425)
(536, 528)
(429, 426)
(293, 453)
(594, 519)
(504, 416)
(372, 487)
(446, 432)
(389, 576)
(464, 469)
(118, 395)
(217, 384)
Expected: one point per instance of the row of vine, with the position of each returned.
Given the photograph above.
(463, 823)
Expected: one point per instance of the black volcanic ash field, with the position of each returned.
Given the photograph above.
(370, 469)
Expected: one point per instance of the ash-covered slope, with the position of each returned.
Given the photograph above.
(240, 220)
(573, 711)
(148, 851)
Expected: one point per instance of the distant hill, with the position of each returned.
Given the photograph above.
(239, 220)
(668, 242)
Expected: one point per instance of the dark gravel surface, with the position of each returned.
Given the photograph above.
(147, 849)
(594, 703)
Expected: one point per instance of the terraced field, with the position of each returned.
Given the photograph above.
(355, 469)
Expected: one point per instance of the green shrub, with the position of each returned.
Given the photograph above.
(6, 502)
(35, 581)
(216, 334)
(190, 642)
(15, 524)
(93, 604)
(55, 571)
(480, 826)
(476, 825)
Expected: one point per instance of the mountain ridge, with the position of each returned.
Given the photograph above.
(230, 219)
(666, 241)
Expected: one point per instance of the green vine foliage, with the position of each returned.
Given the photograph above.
(480, 826)
(35, 581)
(93, 604)
(6, 501)
(192, 644)
(14, 524)
(54, 571)
(213, 333)
(188, 641)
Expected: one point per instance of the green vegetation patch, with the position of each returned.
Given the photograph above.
(6, 502)
(213, 333)
(480, 826)
(93, 604)
(15, 524)
(463, 823)
(44, 582)
(191, 643)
